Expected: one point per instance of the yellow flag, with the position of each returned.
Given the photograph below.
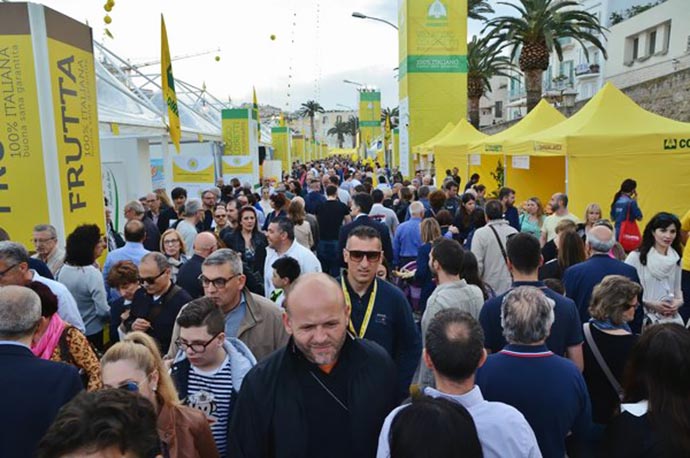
(255, 107)
(282, 120)
(168, 84)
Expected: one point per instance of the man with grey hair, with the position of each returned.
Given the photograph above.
(408, 236)
(192, 215)
(155, 309)
(48, 249)
(32, 390)
(253, 319)
(134, 210)
(579, 280)
(547, 389)
(14, 270)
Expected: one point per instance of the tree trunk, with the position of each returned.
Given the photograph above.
(311, 123)
(473, 106)
(533, 81)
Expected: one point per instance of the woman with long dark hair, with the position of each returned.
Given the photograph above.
(248, 241)
(571, 251)
(463, 221)
(655, 414)
(624, 205)
(279, 204)
(657, 262)
(83, 279)
(470, 273)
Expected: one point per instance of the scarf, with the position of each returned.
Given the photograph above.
(661, 267)
(608, 325)
(45, 347)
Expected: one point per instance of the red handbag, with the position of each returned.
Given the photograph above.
(629, 234)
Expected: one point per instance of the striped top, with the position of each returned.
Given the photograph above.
(211, 392)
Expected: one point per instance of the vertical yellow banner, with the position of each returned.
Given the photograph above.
(75, 110)
(235, 124)
(22, 170)
(241, 151)
(281, 147)
(396, 148)
(298, 147)
(168, 85)
(369, 116)
(433, 68)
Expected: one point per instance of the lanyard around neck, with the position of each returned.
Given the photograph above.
(367, 314)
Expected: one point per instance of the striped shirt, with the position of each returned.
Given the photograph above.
(211, 392)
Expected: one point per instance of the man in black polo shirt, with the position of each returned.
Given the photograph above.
(331, 215)
(325, 394)
(524, 259)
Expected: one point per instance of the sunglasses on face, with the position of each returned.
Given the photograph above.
(151, 280)
(357, 255)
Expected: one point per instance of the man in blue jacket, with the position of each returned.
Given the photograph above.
(361, 206)
(32, 390)
(380, 311)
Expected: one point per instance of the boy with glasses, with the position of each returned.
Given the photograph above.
(209, 368)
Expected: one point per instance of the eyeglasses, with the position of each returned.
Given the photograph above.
(217, 283)
(195, 346)
(171, 242)
(40, 241)
(151, 280)
(357, 255)
(4, 272)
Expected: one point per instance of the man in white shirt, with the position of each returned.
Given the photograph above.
(281, 242)
(382, 214)
(559, 205)
(454, 350)
(14, 270)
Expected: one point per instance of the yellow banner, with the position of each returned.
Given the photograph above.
(73, 80)
(193, 170)
(281, 146)
(235, 124)
(396, 148)
(369, 116)
(168, 85)
(23, 198)
(236, 166)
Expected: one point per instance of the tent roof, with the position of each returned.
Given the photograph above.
(462, 134)
(610, 124)
(542, 117)
(424, 147)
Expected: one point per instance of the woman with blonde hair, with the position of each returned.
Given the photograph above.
(174, 249)
(532, 218)
(298, 216)
(592, 215)
(135, 365)
(430, 231)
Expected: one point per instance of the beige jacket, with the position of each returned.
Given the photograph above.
(261, 328)
(492, 265)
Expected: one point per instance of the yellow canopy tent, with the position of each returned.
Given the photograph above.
(550, 170)
(451, 150)
(610, 139)
(427, 146)
(342, 152)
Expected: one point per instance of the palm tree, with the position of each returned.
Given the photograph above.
(476, 9)
(340, 129)
(352, 124)
(309, 109)
(484, 61)
(391, 113)
(536, 32)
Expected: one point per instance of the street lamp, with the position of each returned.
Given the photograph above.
(568, 97)
(364, 16)
(354, 82)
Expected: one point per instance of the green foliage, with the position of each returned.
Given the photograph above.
(620, 16)
(476, 9)
(499, 177)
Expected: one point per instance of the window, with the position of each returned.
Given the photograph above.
(652, 43)
(636, 46)
(338, 119)
(498, 110)
(325, 120)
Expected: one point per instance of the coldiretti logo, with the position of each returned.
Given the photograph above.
(676, 143)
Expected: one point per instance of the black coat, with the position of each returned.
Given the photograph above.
(269, 417)
(167, 215)
(234, 240)
(33, 390)
(153, 235)
(188, 276)
(364, 220)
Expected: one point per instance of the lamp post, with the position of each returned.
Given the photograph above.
(568, 97)
(364, 16)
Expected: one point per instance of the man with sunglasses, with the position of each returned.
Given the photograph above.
(154, 309)
(380, 311)
(252, 318)
(209, 368)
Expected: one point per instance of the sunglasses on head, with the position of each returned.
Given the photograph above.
(357, 255)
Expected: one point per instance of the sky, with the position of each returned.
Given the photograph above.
(317, 45)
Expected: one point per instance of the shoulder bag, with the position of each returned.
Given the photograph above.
(600, 360)
(629, 234)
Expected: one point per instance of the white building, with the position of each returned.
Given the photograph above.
(649, 45)
(492, 108)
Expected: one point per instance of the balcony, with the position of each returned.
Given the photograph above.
(586, 71)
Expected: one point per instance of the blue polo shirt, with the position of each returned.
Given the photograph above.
(565, 332)
(547, 389)
(391, 325)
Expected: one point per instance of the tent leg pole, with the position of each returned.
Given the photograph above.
(566, 175)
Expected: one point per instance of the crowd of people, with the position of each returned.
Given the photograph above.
(344, 311)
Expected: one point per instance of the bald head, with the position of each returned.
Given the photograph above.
(20, 310)
(314, 285)
(205, 243)
(600, 239)
(135, 231)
